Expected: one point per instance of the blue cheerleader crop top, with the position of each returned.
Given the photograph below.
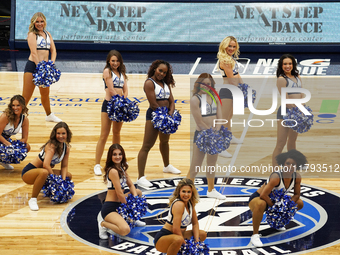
(122, 181)
(161, 93)
(10, 130)
(211, 109)
(186, 216)
(281, 184)
(291, 84)
(118, 82)
(42, 43)
(235, 70)
(55, 159)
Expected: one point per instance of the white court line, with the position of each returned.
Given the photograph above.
(194, 66)
(238, 148)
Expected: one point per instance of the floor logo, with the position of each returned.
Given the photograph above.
(228, 222)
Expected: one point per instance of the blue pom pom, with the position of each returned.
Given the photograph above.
(164, 122)
(13, 153)
(303, 122)
(122, 109)
(45, 74)
(134, 209)
(212, 141)
(227, 135)
(244, 87)
(192, 247)
(57, 189)
(283, 210)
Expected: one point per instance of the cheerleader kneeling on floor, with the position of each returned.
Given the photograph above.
(116, 178)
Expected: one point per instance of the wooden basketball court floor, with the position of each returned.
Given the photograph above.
(77, 99)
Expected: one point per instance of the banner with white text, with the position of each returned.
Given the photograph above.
(107, 22)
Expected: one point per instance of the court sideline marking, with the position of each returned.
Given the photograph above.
(195, 66)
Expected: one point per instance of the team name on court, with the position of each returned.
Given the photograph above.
(134, 248)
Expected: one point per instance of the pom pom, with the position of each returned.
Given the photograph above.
(209, 141)
(212, 141)
(13, 153)
(122, 109)
(45, 74)
(244, 87)
(303, 122)
(164, 122)
(283, 210)
(134, 209)
(57, 189)
(192, 247)
(227, 135)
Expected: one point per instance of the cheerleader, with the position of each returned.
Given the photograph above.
(115, 83)
(158, 92)
(227, 55)
(40, 43)
(204, 121)
(55, 151)
(287, 76)
(12, 120)
(117, 179)
(181, 214)
(287, 179)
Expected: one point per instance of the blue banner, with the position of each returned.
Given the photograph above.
(273, 23)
